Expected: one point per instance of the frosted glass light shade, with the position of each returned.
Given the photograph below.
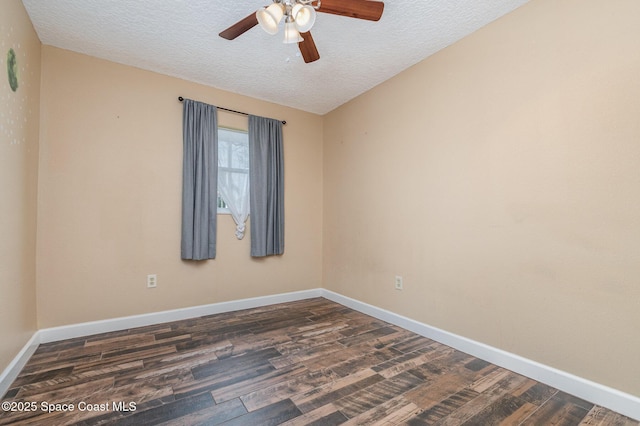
(291, 34)
(269, 17)
(304, 17)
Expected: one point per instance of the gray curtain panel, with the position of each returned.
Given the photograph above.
(199, 180)
(266, 173)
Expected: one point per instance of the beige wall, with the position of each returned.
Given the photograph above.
(110, 191)
(19, 114)
(501, 179)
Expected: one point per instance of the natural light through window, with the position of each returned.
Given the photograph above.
(233, 175)
(233, 161)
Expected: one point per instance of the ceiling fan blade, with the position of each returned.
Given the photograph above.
(308, 48)
(361, 9)
(240, 27)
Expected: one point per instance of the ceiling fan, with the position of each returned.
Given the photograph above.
(299, 16)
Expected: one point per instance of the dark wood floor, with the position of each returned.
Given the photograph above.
(309, 362)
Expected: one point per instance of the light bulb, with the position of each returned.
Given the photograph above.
(269, 17)
(291, 34)
(304, 17)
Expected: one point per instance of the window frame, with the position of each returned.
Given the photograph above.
(221, 209)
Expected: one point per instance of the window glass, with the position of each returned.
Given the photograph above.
(233, 158)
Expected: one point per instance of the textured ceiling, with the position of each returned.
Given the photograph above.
(180, 38)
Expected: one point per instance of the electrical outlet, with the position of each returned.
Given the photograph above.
(152, 280)
(399, 283)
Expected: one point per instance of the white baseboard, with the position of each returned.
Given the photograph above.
(94, 327)
(618, 401)
(607, 397)
(55, 334)
(10, 373)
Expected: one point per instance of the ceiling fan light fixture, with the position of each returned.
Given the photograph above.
(300, 17)
(269, 17)
(304, 17)
(291, 34)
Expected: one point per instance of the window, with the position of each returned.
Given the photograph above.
(233, 167)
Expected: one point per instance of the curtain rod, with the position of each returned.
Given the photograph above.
(180, 98)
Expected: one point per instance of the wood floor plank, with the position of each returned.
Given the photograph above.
(299, 343)
(126, 356)
(272, 324)
(387, 340)
(286, 389)
(518, 416)
(557, 412)
(444, 408)
(42, 376)
(120, 342)
(367, 336)
(308, 362)
(271, 415)
(359, 324)
(306, 354)
(183, 359)
(171, 380)
(393, 411)
(410, 361)
(69, 380)
(599, 416)
(55, 347)
(413, 342)
(486, 398)
(453, 361)
(251, 342)
(91, 392)
(239, 363)
(266, 381)
(336, 390)
(497, 412)
(439, 387)
(537, 394)
(219, 381)
(376, 395)
(330, 420)
(351, 359)
(210, 415)
(316, 329)
(178, 408)
(326, 415)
